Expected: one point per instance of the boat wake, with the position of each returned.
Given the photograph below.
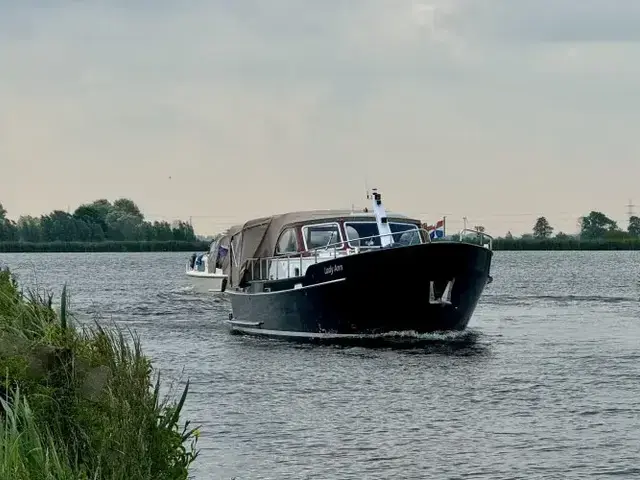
(466, 342)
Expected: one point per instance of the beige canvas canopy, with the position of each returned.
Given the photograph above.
(224, 242)
(257, 238)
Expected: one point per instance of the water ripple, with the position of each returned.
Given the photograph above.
(542, 386)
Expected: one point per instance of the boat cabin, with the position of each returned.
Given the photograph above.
(284, 246)
(342, 234)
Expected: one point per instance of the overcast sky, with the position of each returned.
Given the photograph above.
(500, 110)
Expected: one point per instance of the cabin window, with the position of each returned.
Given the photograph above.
(405, 233)
(362, 234)
(288, 242)
(321, 236)
(366, 234)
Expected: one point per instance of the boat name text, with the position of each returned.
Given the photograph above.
(331, 269)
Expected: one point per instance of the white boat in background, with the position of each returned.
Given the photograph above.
(205, 270)
(203, 280)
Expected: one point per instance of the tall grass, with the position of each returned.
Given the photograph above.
(27, 450)
(81, 402)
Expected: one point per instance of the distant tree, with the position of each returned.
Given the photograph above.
(97, 232)
(509, 236)
(634, 226)
(124, 221)
(617, 235)
(124, 226)
(183, 232)
(562, 236)
(4, 224)
(162, 231)
(103, 205)
(91, 213)
(542, 228)
(8, 229)
(596, 225)
(29, 229)
(59, 226)
(526, 236)
(93, 222)
(128, 206)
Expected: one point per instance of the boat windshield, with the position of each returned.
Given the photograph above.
(320, 236)
(357, 233)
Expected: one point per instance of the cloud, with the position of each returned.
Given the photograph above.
(288, 40)
(305, 98)
(549, 20)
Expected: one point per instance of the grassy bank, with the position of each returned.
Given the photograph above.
(81, 403)
(565, 244)
(107, 246)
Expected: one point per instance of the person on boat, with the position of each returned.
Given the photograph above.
(222, 253)
(410, 237)
(192, 261)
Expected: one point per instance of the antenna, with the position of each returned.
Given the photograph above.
(630, 209)
(366, 188)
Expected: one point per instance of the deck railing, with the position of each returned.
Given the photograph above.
(295, 264)
(480, 236)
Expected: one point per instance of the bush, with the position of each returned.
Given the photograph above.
(81, 403)
(569, 243)
(105, 246)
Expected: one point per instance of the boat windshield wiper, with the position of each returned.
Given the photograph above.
(329, 241)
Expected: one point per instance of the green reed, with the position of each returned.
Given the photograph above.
(81, 402)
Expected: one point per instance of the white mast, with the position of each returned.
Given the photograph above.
(386, 237)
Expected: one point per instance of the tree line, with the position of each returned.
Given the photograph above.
(593, 227)
(597, 232)
(98, 221)
(120, 226)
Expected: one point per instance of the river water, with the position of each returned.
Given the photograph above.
(545, 383)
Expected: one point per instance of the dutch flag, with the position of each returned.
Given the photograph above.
(436, 231)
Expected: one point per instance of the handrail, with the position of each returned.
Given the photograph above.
(479, 233)
(333, 250)
(334, 245)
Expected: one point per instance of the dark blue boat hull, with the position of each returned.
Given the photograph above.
(373, 293)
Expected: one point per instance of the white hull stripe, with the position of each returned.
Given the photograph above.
(205, 275)
(287, 333)
(236, 292)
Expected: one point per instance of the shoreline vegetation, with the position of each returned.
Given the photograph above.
(95, 222)
(105, 246)
(81, 402)
(499, 244)
(597, 232)
(120, 226)
(520, 244)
